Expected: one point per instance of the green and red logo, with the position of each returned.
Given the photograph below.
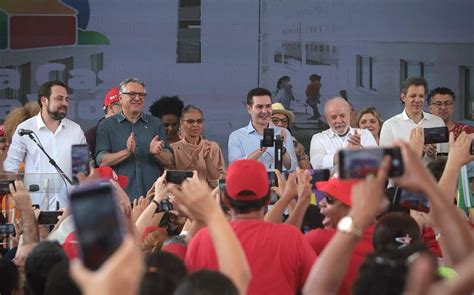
(26, 24)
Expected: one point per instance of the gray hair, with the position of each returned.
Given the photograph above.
(337, 99)
(124, 83)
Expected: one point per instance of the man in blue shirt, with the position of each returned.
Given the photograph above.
(131, 141)
(244, 143)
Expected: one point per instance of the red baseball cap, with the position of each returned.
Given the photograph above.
(109, 173)
(338, 188)
(112, 96)
(249, 175)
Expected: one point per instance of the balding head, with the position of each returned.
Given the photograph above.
(337, 112)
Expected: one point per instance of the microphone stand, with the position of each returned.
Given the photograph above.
(278, 153)
(51, 161)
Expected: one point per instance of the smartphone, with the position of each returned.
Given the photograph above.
(361, 162)
(177, 176)
(165, 206)
(268, 138)
(7, 229)
(272, 179)
(415, 201)
(472, 147)
(80, 159)
(436, 135)
(98, 220)
(49, 217)
(5, 186)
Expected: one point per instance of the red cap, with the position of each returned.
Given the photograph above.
(175, 248)
(338, 188)
(109, 173)
(112, 96)
(247, 174)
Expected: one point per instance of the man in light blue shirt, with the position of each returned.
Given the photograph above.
(244, 143)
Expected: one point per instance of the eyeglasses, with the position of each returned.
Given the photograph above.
(134, 94)
(442, 103)
(275, 120)
(192, 121)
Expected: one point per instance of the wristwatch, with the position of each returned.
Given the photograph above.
(347, 225)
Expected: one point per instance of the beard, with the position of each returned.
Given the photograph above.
(57, 115)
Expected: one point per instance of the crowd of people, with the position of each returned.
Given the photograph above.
(221, 231)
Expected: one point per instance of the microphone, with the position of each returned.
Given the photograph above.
(22, 131)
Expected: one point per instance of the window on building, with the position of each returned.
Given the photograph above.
(365, 72)
(416, 69)
(467, 91)
(97, 64)
(20, 93)
(188, 44)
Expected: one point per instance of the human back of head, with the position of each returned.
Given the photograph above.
(206, 282)
(395, 230)
(247, 188)
(337, 112)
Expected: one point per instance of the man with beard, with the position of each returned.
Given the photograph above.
(325, 145)
(55, 132)
(244, 143)
(441, 104)
(412, 95)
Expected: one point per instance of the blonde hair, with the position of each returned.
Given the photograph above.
(153, 241)
(373, 111)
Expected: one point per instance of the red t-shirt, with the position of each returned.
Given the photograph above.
(319, 238)
(279, 257)
(459, 127)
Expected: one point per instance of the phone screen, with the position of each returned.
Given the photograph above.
(98, 222)
(415, 201)
(268, 137)
(7, 229)
(361, 162)
(80, 159)
(436, 135)
(49, 217)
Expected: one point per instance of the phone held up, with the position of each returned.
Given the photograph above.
(436, 135)
(80, 159)
(268, 138)
(362, 162)
(177, 176)
(99, 223)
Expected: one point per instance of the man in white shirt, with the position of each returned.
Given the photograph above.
(340, 135)
(56, 133)
(412, 95)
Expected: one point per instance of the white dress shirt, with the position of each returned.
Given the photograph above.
(57, 145)
(400, 126)
(326, 144)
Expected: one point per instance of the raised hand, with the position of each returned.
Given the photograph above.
(131, 145)
(156, 145)
(354, 140)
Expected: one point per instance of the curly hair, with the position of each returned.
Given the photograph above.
(18, 115)
(167, 105)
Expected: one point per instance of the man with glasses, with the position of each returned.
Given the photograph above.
(441, 104)
(244, 143)
(112, 106)
(131, 142)
(412, 95)
(335, 207)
